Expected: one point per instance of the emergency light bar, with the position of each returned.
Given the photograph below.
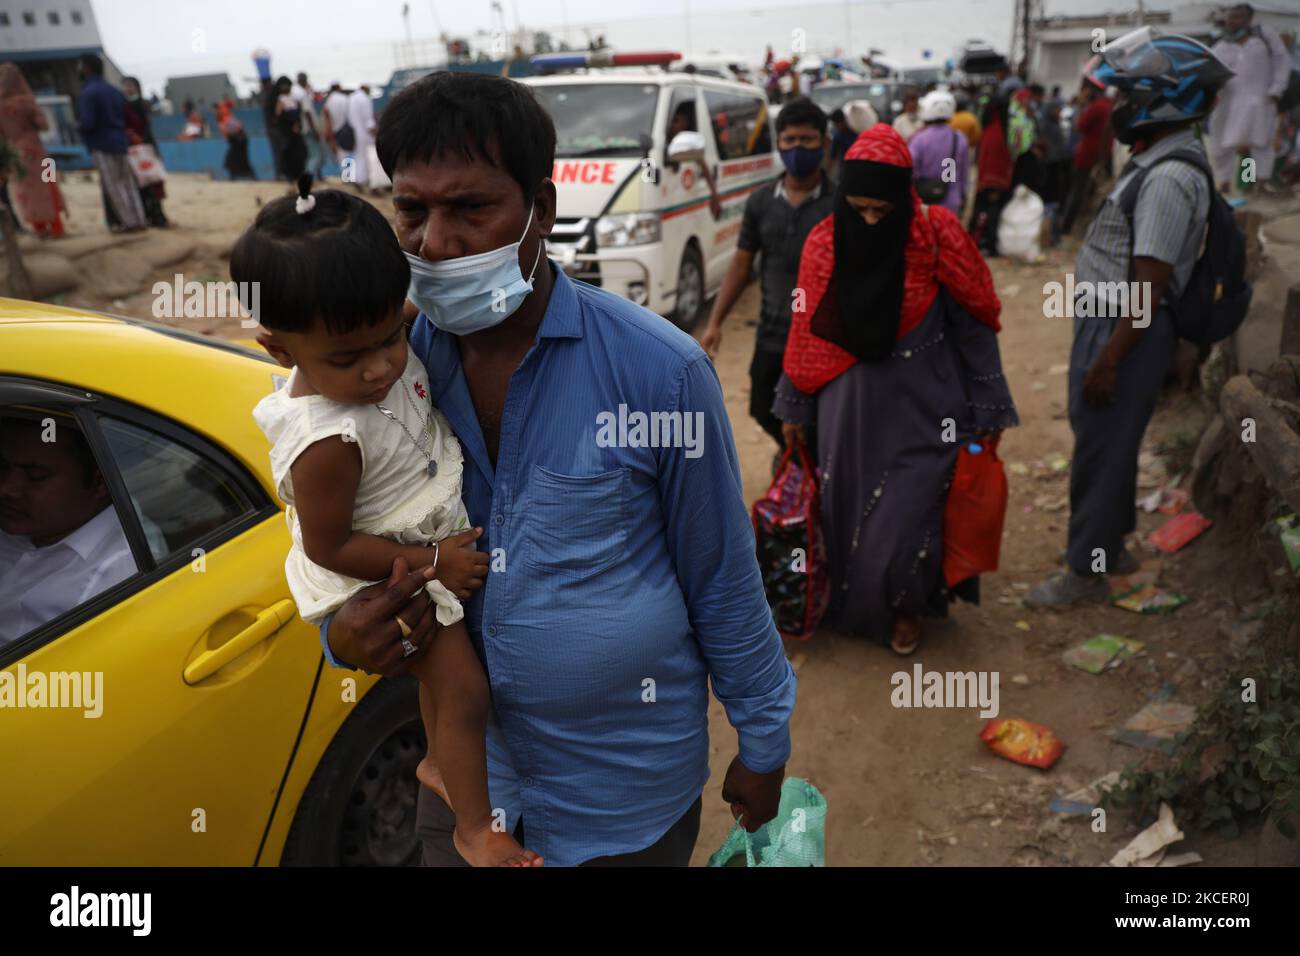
(568, 61)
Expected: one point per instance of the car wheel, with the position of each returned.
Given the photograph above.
(689, 307)
(359, 808)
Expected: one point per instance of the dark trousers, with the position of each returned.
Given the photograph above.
(434, 823)
(985, 218)
(1076, 197)
(764, 374)
(152, 197)
(1107, 439)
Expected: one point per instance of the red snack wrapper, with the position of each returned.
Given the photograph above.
(1176, 532)
(1023, 741)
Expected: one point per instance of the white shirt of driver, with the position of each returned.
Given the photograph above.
(39, 584)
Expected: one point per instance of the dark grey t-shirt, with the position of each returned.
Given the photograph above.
(776, 230)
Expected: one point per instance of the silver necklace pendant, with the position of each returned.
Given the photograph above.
(433, 468)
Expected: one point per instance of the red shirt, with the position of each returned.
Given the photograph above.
(1094, 133)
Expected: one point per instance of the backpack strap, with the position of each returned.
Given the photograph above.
(1129, 197)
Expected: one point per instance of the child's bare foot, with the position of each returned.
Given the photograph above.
(489, 847)
(430, 776)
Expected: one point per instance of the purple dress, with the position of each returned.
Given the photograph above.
(885, 466)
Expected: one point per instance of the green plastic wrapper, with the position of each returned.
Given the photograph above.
(796, 836)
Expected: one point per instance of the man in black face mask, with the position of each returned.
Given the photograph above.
(777, 220)
(1138, 252)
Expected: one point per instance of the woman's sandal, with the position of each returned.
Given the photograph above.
(907, 636)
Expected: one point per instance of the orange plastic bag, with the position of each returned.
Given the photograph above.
(1023, 741)
(974, 513)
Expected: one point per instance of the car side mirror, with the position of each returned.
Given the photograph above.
(686, 147)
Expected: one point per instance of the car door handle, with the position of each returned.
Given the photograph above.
(269, 620)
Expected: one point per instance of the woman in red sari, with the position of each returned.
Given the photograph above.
(38, 201)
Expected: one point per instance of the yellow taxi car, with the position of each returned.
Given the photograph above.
(182, 713)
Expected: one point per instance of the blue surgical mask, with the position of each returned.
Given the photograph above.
(472, 293)
(801, 161)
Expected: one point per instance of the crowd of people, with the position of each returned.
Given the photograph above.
(305, 130)
(111, 123)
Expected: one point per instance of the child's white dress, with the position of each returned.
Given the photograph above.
(397, 498)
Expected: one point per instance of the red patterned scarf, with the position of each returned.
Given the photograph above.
(938, 251)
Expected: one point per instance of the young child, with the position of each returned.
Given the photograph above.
(369, 468)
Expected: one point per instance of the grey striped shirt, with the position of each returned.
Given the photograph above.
(1168, 221)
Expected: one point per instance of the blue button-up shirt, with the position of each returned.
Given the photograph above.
(101, 117)
(624, 577)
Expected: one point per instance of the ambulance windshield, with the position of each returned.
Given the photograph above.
(606, 119)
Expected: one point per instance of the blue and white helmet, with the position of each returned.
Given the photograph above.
(1166, 79)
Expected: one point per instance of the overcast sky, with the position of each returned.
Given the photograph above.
(353, 40)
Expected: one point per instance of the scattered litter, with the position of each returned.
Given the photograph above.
(1084, 800)
(1017, 468)
(1011, 291)
(1165, 499)
(1156, 725)
(1149, 599)
(1020, 679)
(1121, 584)
(1022, 625)
(1058, 369)
(1049, 503)
(1058, 463)
(1023, 742)
(1174, 534)
(1070, 808)
(1289, 528)
(1038, 387)
(1101, 651)
(1173, 501)
(1148, 848)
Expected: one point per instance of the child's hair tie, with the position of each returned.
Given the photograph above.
(305, 202)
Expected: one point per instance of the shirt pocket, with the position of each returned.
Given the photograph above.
(575, 525)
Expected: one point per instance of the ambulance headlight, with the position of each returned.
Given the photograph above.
(628, 229)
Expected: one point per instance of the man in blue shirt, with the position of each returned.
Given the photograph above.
(599, 463)
(101, 119)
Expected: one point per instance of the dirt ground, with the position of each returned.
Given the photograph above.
(903, 786)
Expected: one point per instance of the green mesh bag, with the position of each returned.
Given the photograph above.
(796, 836)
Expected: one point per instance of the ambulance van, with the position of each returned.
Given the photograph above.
(636, 148)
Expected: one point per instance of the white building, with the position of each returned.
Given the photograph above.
(45, 37)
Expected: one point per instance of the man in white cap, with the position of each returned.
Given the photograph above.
(940, 154)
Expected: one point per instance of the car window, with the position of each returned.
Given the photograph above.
(179, 495)
(681, 113)
(61, 540)
(740, 124)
